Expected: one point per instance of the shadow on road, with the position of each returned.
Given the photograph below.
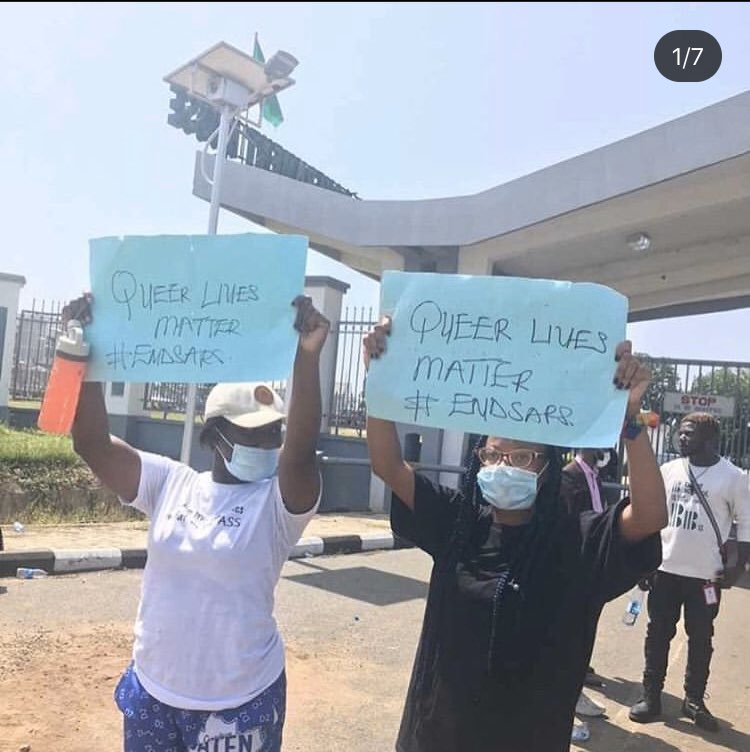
(623, 691)
(743, 581)
(626, 693)
(363, 584)
(727, 737)
(606, 737)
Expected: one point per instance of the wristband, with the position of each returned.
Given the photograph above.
(634, 424)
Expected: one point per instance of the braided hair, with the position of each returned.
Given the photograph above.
(529, 576)
(473, 505)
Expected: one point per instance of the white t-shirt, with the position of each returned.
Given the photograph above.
(689, 545)
(205, 636)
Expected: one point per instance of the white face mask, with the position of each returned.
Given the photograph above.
(250, 464)
(508, 488)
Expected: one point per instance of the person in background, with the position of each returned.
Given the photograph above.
(692, 568)
(610, 473)
(581, 486)
(208, 659)
(581, 491)
(517, 583)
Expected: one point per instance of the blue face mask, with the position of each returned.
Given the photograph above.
(508, 488)
(251, 464)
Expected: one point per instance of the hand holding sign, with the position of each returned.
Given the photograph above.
(312, 325)
(195, 308)
(632, 375)
(78, 309)
(374, 343)
(525, 359)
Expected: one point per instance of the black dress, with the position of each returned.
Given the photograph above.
(455, 701)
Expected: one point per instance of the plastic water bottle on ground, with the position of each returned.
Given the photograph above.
(26, 573)
(580, 732)
(635, 603)
(18, 527)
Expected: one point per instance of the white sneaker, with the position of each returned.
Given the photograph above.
(588, 707)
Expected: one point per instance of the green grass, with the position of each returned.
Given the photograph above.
(34, 446)
(55, 483)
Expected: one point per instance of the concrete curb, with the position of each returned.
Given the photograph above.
(65, 561)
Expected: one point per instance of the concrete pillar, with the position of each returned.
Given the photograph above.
(10, 288)
(452, 453)
(124, 403)
(380, 495)
(327, 295)
(125, 399)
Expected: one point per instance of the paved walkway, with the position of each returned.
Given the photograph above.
(133, 534)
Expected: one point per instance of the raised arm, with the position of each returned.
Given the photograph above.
(382, 439)
(647, 512)
(115, 463)
(299, 478)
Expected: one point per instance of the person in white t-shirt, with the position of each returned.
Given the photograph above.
(208, 661)
(692, 567)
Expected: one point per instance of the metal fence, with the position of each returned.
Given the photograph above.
(348, 401)
(169, 397)
(700, 381)
(37, 329)
(347, 414)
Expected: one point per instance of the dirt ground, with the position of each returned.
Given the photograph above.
(350, 625)
(65, 640)
(87, 665)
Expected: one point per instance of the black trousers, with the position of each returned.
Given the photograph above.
(669, 594)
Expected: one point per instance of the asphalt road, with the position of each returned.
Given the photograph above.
(351, 624)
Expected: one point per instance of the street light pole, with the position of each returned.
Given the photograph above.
(230, 81)
(225, 125)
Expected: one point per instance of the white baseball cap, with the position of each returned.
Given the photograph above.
(248, 404)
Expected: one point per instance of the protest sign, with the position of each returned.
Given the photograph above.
(527, 359)
(201, 308)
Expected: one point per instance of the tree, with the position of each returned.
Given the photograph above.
(664, 378)
(726, 382)
(731, 381)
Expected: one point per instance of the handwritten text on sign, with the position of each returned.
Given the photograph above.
(194, 308)
(528, 359)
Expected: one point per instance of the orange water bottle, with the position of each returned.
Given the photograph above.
(64, 386)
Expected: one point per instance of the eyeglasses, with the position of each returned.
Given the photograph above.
(520, 458)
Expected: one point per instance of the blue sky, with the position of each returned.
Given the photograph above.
(392, 100)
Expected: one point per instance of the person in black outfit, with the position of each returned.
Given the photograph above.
(581, 490)
(518, 582)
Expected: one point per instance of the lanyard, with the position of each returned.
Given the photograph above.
(596, 499)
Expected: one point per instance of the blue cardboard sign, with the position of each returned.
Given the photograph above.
(200, 308)
(525, 359)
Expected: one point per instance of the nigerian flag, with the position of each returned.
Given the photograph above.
(271, 109)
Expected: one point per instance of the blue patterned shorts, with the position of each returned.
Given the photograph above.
(152, 726)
